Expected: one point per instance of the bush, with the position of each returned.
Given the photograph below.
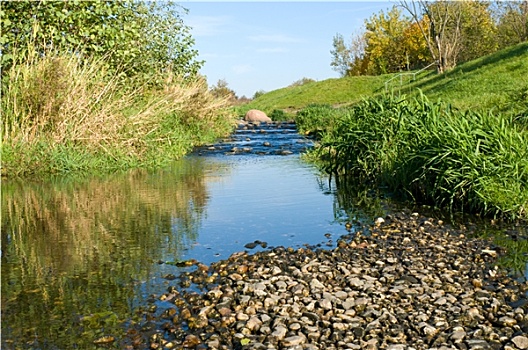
(316, 118)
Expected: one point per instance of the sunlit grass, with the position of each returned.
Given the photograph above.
(429, 151)
(498, 81)
(62, 114)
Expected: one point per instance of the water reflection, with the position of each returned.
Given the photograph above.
(74, 250)
(78, 257)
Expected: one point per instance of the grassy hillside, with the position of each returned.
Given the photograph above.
(498, 81)
(331, 91)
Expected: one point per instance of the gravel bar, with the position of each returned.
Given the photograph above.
(406, 282)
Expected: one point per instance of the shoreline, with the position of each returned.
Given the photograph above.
(411, 283)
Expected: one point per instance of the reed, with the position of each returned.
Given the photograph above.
(62, 113)
(431, 152)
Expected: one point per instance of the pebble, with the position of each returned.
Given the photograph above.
(412, 283)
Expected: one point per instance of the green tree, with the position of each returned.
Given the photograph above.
(478, 31)
(222, 90)
(384, 37)
(341, 55)
(454, 30)
(136, 37)
(393, 43)
(512, 26)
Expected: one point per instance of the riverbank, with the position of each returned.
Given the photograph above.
(405, 282)
(427, 152)
(106, 123)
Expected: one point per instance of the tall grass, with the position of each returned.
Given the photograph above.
(462, 160)
(61, 114)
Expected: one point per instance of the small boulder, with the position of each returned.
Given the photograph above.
(254, 115)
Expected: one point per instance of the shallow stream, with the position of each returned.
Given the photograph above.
(80, 256)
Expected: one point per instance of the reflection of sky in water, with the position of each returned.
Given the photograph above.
(271, 199)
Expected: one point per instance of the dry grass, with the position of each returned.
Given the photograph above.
(58, 99)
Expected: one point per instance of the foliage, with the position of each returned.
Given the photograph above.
(302, 81)
(387, 36)
(512, 27)
(454, 31)
(349, 59)
(63, 114)
(279, 115)
(315, 118)
(221, 90)
(341, 55)
(461, 160)
(134, 37)
(258, 93)
(446, 32)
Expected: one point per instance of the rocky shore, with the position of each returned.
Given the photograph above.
(406, 282)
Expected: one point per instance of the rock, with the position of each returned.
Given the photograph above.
(315, 284)
(254, 115)
(294, 340)
(278, 333)
(520, 341)
(409, 286)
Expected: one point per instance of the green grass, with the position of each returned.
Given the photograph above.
(498, 81)
(427, 151)
(343, 91)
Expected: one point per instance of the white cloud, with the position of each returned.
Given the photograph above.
(242, 68)
(277, 38)
(272, 50)
(208, 25)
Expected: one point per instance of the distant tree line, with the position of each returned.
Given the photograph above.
(444, 32)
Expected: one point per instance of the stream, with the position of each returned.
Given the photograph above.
(80, 256)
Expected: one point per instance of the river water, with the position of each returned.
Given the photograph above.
(80, 256)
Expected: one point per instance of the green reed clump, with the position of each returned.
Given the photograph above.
(61, 114)
(315, 119)
(462, 160)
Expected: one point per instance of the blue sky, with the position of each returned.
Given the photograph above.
(269, 45)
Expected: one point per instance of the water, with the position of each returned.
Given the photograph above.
(80, 256)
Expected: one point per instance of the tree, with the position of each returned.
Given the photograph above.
(478, 31)
(133, 36)
(349, 59)
(440, 24)
(454, 30)
(221, 90)
(393, 43)
(341, 55)
(512, 22)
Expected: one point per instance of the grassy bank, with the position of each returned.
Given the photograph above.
(457, 140)
(429, 151)
(498, 81)
(61, 114)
